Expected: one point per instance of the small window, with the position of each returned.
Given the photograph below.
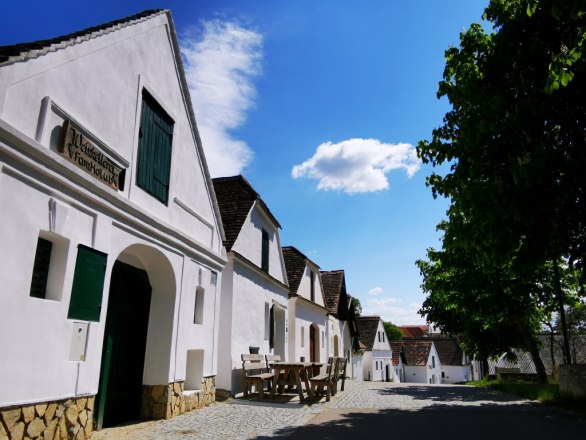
(433, 361)
(154, 149)
(41, 268)
(312, 287)
(267, 321)
(378, 333)
(264, 263)
(323, 340)
(383, 336)
(88, 285)
(303, 336)
(199, 305)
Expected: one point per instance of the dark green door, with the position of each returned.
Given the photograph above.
(119, 394)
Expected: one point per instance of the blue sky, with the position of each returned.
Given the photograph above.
(319, 104)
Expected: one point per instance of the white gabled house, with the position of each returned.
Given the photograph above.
(253, 311)
(307, 312)
(111, 236)
(455, 365)
(377, 360)
(422, 362)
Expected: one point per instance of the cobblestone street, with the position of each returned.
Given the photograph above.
(445, 411)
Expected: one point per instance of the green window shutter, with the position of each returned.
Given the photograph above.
(41, 268)
(88, 284)
(154, 149)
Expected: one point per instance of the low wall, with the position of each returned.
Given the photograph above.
(168, 401)
(573, 380)
(58, 420)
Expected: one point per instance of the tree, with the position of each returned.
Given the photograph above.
(357, 306)
(393, 332)
(515, 143)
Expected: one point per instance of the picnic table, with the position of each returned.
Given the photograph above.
(299, 371)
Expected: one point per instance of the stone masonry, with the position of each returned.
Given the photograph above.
(57, 420)
(168, 401)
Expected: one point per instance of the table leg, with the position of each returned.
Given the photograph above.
(275, 381)
(306, 379)
(298, 382)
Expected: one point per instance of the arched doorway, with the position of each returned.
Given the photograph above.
(139, 320)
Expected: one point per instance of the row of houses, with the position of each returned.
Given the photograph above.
(132, 280)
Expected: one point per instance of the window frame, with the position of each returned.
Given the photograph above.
(264, 258)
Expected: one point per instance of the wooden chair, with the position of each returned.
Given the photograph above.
(341, 374)
(325, 380)
(255, 371)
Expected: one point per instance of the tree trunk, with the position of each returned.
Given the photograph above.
(560, 297)
(531, 346)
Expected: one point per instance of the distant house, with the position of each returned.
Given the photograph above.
(414, 331)
(254, 298)
(422, 362)
(377, 360)
(307, 312)
(341, 328)
(456, 366)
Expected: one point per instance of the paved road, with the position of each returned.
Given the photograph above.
(365, 409)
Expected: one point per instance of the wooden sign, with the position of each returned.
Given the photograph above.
(77, 148)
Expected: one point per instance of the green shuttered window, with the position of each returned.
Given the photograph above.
(88, 284)
(154, 149)
(41, 268)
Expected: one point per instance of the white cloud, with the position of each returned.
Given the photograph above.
(357, 165)
(220, 67)
(390, 309)
(375, 291)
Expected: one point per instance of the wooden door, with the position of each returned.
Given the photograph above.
(120, 390)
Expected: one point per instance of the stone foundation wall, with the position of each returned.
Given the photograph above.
(168, 401)
(573, 380)
(56, 420)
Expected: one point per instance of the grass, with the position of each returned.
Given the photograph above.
(548, 394)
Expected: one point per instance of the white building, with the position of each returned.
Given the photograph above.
(422, 362)
(254, 286)
(456, 366)
(111, 236)
(377, 359)
(307, 313)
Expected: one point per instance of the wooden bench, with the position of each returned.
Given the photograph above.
(341, 374)
(325, 380)
(256, 373)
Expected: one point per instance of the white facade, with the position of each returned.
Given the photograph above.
(456, 373)
(248, 295)
(98, 85)
(429, 373)
(377, 362)
(308, 318)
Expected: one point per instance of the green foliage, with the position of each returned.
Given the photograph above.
(357, 306)
(515, 144)
(393, 332)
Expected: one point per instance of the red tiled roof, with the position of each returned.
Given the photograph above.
(367, 327)
(334, 286)
(414, 331)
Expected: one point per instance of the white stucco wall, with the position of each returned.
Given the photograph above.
(305, 316)
(427, 373)
(98, 83)
(456, 373)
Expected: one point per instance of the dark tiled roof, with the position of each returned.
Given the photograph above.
(33, 49)
(414, 331)
(334, 287)
(235, 199)
(295, 262)
(525, 363)
(367, 326)
(416, 351)
(449, 351)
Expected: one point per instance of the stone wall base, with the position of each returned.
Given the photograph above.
(573, 380)
(168, 401)
(54, 420)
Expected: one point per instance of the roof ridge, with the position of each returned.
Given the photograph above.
(24, 51)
